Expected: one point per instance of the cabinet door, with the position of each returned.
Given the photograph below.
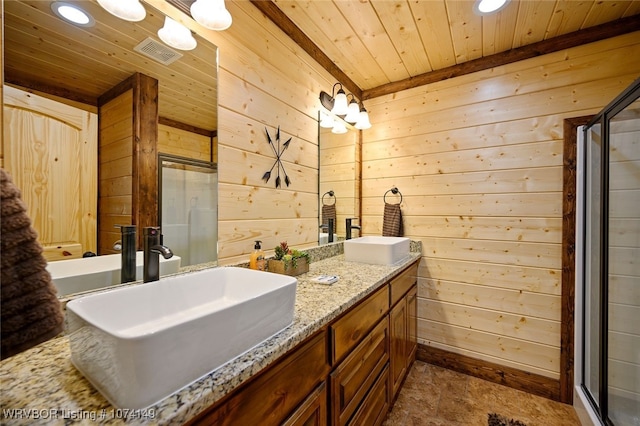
(313, 411)
(398, 340)
(374, 408)
(412, 325)
(353, 378)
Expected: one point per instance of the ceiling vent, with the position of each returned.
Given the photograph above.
(157, 51)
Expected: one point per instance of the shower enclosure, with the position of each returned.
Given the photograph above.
(609, 266)
(189, 208)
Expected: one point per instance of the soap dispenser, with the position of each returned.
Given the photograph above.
(257, 260)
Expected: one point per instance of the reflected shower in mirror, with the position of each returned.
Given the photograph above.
(82, 136)
(189, 208)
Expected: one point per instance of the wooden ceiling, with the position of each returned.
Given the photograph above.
(382, 46)
(47, 55)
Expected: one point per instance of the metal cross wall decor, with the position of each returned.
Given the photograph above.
(278, 163)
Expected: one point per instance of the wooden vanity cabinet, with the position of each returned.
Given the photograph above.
(402, 327)
(346, 374)
(273, 395)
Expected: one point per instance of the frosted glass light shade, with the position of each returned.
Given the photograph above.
(338, 127)
(363, 120)
(354, 112)
(340, 106)
(326, 121)
(176, 35)
(129, 10)
(211, 14)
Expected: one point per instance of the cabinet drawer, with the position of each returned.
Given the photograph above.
(403, 282)
(313, 411)
(374, 409)
(357, 373)
(347, 332)
(273, 395)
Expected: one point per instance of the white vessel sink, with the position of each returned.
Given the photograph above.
(139, 344)
(376, 250)
(91, 273)
(323, 238)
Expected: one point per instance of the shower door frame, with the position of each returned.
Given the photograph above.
(626, 98)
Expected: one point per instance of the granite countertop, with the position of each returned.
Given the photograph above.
(41, 386)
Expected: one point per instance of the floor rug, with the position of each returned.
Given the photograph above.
(498, 420)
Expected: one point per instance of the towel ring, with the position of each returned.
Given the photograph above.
(394, 191)
(330, 194)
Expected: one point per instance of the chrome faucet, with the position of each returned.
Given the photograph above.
(350, 227)
(127, 252)
(152, 249)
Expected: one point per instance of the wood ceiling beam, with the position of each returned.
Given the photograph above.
(566, 41)
(13, 78)
(283, 22)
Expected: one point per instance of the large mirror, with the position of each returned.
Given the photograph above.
(70, 123)
(339, 179)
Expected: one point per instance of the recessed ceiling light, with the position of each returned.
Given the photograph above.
(73, 14)
(486, 7)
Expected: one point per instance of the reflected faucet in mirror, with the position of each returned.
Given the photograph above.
(127, 253)
(152, 251)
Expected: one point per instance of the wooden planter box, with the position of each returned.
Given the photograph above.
(279, 267)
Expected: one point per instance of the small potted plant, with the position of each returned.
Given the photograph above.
(289, 261)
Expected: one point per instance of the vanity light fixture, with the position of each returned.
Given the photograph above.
(72, 13)
(176, 35)
(336, 103)
(487, 7)
(129, 10)
(211, 14)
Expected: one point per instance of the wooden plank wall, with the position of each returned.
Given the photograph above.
(340, 172)
(265, 80)
(116, 169)
(183, 143)
(624, 252)
(478, 160)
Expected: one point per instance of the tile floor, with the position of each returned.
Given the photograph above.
(436, 396)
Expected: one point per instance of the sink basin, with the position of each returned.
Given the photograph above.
(91, 273)
(376, 250)
(323, 238)
(139, 344)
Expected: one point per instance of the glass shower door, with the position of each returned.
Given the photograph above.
(623, 328)
(189, 209)
(611, 288)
